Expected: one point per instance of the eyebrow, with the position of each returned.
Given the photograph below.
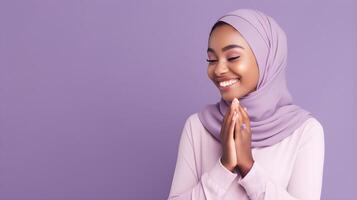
(231, 46)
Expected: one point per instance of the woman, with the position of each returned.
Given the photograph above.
(254, 143)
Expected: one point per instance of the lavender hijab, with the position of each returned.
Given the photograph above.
(272, 114)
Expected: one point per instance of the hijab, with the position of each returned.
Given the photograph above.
(272, 113)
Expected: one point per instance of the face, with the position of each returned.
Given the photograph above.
(232, 66)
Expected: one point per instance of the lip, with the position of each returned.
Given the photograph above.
(222, 88)
(220, 79)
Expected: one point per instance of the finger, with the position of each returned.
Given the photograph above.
(231, 109)
(227, 114)
(239, 122)
(226, 123)
(243, 119)
(225, 117)
(246, 119)
(231, 127)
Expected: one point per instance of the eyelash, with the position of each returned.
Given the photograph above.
(230, 59)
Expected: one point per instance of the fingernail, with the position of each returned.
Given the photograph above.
(245, 109)
(235, 101)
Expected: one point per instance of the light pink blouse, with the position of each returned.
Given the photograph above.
(290, 169)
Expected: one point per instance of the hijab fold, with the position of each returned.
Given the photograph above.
(272, 113)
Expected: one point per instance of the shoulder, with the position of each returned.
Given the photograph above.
(312, 123)
(311, 131)
(192, 121)
(193, 126)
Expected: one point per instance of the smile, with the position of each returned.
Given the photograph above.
(225, 85)
(228, 83)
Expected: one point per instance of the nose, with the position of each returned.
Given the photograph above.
(221, 68)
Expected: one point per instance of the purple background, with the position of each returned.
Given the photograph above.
(94, 94)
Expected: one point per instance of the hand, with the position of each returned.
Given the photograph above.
(242, 139)
(229, 157)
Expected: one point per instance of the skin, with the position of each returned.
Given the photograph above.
(236, 141)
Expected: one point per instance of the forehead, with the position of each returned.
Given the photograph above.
(224, 35)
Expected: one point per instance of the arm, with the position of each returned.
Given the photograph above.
(306, 179)
(187, 184)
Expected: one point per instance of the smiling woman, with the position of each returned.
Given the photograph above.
(254, 143)
(232, 66)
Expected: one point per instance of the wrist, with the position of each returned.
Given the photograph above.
(244, 169)
(228, 167)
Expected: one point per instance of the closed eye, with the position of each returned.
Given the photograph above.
(229, 59)
(211, 61)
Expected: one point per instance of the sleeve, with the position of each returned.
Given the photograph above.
(306, 180)
(187, 184)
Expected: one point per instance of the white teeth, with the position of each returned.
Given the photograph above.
(227, 83)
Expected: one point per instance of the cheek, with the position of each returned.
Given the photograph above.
(247, 72)
(252, 72)
(243, 68)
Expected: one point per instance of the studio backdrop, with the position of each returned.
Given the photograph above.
(94, 94)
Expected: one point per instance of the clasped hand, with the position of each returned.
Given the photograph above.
(236, 139)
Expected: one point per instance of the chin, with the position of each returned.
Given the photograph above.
(229, 96)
